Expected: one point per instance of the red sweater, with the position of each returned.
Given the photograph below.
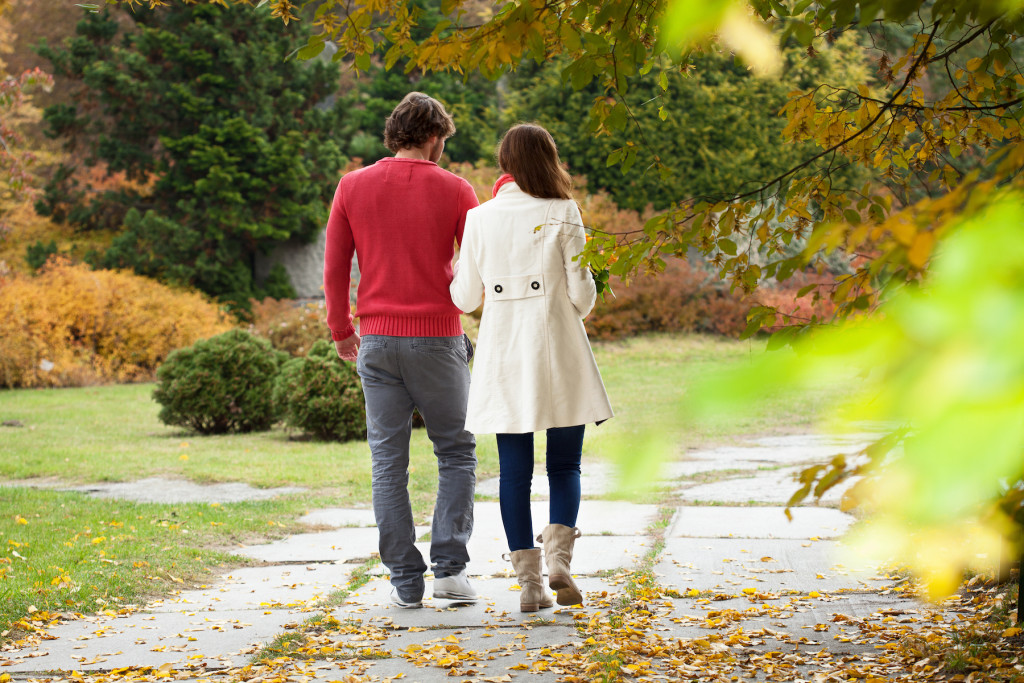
(402, 217)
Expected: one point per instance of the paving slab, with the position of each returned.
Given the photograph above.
(768, 486)
(595, 476)
(683, 470)
(766, 565)
(490, 652)
(591, 554)
(596, 518)
(719, 521)
(598, 478)
(498, 605)
(787, 449)
(340, 545)
(161, 490)
(830, 622)
(221, 639)
(340, 518)
(846, 442)
(250, 588)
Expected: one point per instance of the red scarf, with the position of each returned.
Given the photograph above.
(505, 178)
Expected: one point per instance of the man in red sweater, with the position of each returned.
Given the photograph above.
(402, 217)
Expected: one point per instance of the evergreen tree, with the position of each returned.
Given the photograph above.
(225, 139)
(472, 100)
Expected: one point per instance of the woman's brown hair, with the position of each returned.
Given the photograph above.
(528, 153)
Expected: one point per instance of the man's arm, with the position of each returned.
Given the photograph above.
(467, 201)
(338, 278)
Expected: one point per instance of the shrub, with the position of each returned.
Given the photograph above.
(683, 298)
(815, 305)
(36, 255)
(222, 384)
(321, 395)
(72, 326)
(686, 298)
(289, 327)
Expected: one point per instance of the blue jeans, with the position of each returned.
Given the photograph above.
(432, 375)
(515, 459)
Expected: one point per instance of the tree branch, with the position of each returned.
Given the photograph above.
(890, 104)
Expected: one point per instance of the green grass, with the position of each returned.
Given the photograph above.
(646, 376)
(111, 433)
(65, 551)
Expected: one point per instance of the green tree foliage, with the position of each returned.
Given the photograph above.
(718, 122)
(373, 96)
(221, 135)
(470, 98)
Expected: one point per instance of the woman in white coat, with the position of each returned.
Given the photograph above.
(534, 369)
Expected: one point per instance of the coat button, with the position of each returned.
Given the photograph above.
(497, 288)
(535, 285)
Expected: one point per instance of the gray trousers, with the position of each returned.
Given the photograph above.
(431, 374)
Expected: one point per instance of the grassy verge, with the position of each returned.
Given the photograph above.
(646, 376)
(67, 552)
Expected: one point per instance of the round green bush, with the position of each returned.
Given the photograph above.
(321, 395)
(219, 385)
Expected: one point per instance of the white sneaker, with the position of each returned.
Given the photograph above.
(455, 587)
(396, 599)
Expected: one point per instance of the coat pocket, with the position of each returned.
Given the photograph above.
(515, 287)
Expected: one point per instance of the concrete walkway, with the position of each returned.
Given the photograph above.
(725, 552)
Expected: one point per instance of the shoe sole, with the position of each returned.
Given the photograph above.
(458, 597)
(533, 607)
(566, 592)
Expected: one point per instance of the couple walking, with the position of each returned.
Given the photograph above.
(534, 369)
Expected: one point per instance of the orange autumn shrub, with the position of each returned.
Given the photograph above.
(683, 298)
(814, 306)
(686, 298)
(290, 326)
(73, 326)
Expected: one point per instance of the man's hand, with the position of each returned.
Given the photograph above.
(348, 349)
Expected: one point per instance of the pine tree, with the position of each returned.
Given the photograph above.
(226, 140)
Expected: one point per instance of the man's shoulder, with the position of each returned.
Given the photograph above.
(450, 177)
(357, 173)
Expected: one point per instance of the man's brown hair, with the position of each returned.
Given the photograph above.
(415, 120)
(529, 154)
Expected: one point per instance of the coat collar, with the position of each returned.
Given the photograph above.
(503, 180)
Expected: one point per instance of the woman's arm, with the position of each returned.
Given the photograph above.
(467, 288)
(582, 291)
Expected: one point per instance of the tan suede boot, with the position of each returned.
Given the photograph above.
(558, 541)
(528, 571)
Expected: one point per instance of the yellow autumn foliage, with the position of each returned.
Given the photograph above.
(73, 326)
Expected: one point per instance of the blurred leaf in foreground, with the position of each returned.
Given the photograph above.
(945, 359)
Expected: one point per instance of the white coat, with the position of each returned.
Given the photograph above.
(534, 368)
